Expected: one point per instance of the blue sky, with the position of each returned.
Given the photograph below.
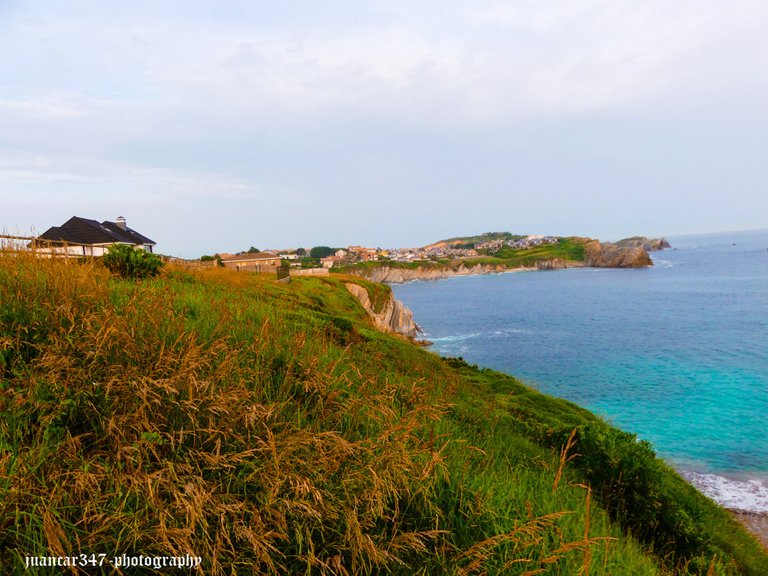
(214, 126)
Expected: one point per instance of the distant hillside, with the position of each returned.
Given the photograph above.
(470, 241)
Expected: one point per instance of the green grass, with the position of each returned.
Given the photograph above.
(269, 428)
(568, 249)
(486, 237)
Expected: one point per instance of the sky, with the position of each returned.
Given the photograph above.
(213, 126)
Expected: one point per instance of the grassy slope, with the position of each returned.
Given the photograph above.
(268, 427)
(486, 237)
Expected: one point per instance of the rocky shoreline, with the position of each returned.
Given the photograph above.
(756, 523)
(396, 275)
(397, 318)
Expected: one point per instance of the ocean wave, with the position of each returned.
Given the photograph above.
(456, 338)
(659, 263)
(503, 333)
(742, 495)
(510, 332)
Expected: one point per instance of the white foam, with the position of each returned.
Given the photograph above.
(509, 332)
(742, 495)
(457, 338)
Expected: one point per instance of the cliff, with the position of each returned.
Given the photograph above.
(395, 275)
(556, 264)
(607, 255)
(395, 317)
(647, 244)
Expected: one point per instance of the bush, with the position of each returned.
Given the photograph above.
(640, 491)
(321, 251)
(129, 262)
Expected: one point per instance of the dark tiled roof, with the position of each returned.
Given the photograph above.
(55, 234)
(78, 230)
(128, 234)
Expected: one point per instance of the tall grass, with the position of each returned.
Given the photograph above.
(268, 428)
(181, 417)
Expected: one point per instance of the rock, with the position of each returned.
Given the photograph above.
(396, 318)
(553, 264)
(659, 244)
(607, 255)
(647, 244)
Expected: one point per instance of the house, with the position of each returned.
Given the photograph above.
(253, 262)
(83, 237)
(331, 261)
(363, 253)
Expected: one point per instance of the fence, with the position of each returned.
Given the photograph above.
(42, 247)
(310, 272)
(283, 272)
(58, 248)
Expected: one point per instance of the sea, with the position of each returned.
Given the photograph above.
(676, 353)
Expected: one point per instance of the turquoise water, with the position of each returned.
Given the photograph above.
(677, 353)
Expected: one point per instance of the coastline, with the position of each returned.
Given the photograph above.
(744, 498)
(396, 275)
(755, 522)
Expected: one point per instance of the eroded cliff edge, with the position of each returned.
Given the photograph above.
(606, 255)
(394, 275)
(395, 317)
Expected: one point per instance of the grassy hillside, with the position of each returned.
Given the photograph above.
(566, 249)
(269, 428)
(477, 239)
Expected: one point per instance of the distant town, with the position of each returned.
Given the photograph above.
(84, 237)
(329, 257)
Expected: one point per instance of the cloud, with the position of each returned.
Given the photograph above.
(487, 59)
(336, 107)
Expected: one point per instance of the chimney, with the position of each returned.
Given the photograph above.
(120, 222)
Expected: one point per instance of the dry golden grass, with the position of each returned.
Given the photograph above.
(137, 431)
(265, 428)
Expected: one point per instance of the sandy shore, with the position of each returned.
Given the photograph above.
(755, 523)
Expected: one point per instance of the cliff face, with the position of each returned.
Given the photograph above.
(656, 244)
(391, 275)
(607, 255)
(557, 264)
(396, 318)
(648, 244)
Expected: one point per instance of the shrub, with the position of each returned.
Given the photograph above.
(640, 491)
(129, 262)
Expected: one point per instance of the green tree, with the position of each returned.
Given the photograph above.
(321, 251)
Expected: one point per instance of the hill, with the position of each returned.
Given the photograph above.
(551, 254)
(471, 241)
(270, 428)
